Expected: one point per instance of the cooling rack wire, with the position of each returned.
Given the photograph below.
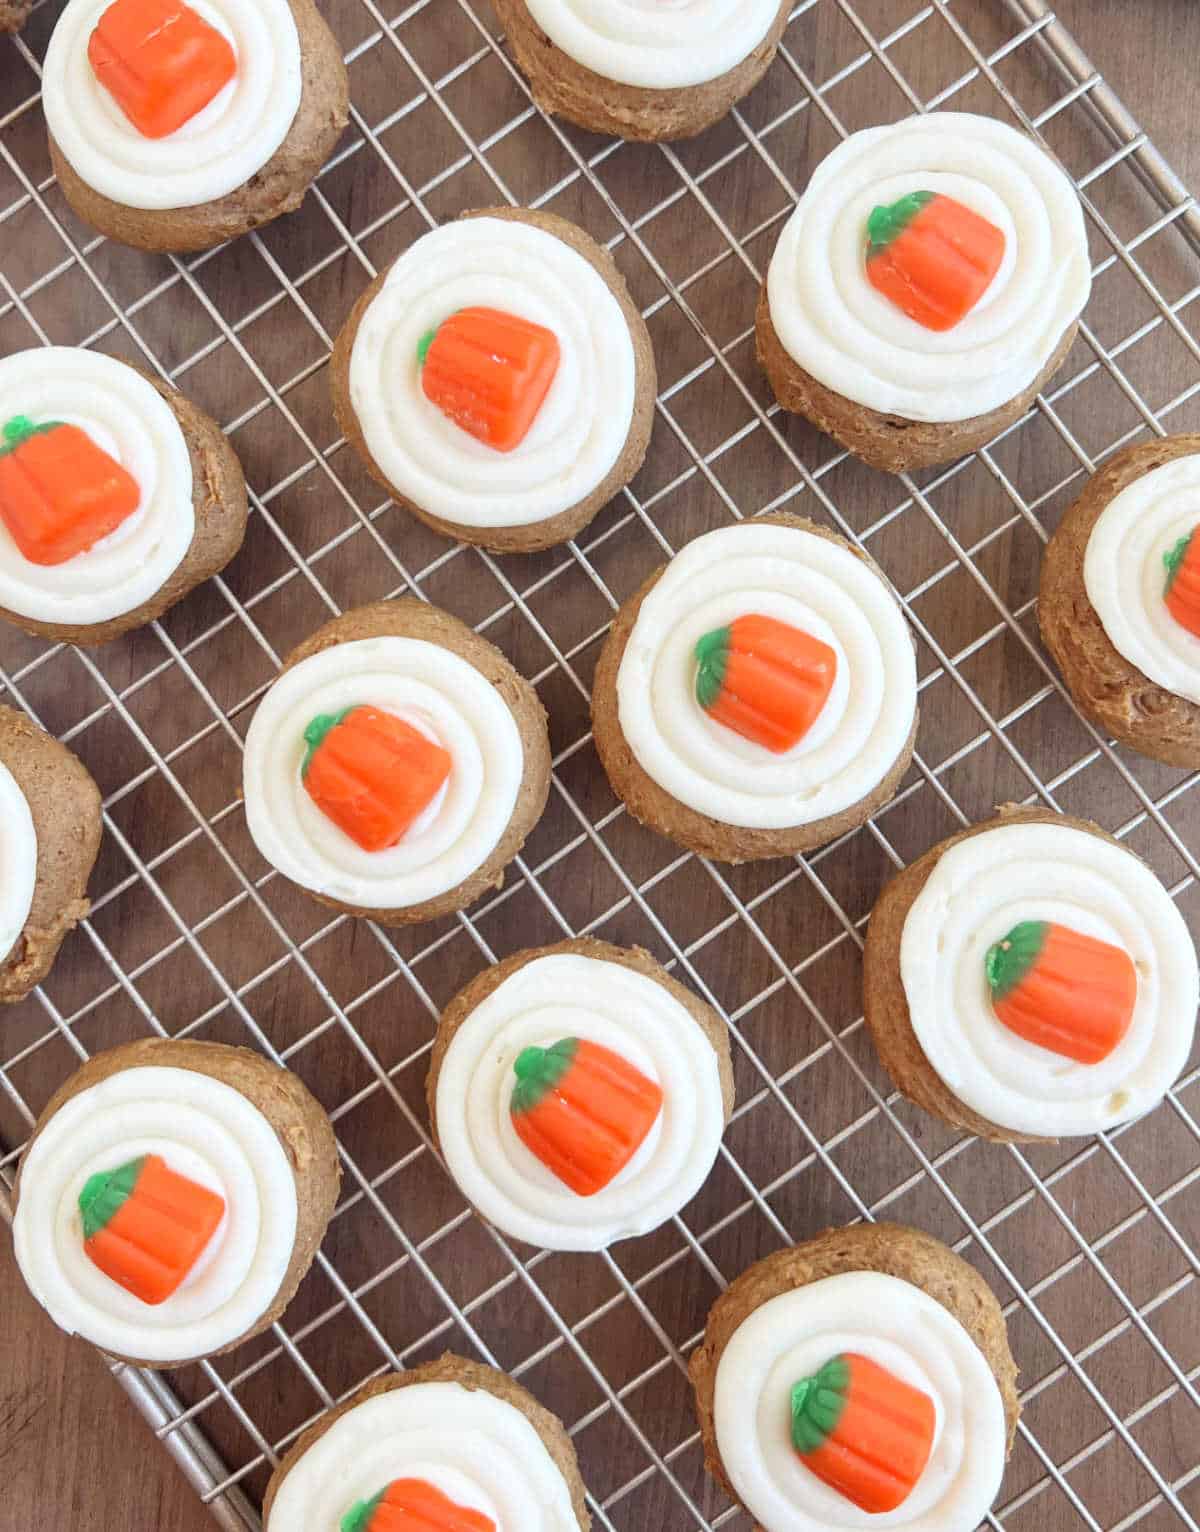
(1092, 1246)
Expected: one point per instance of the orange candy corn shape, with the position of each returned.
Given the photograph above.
(59, 492)
(489, 372)
(146, 1227)
(933, 257)
(583, 1110)
(371, 773)
(413, 1505)
(863, 1431)
(1182, 593)
(764, 679)
(160, 61)
(1062, 990)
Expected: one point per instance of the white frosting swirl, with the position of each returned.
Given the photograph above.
(897, 1326)
(18, 861)
(816, 585)
(1125, 577)
(437, 692)
(851, 338)
(979, 890)
(581, 428)
(204, 1130)
(124, 415)
(658, 44)
(219, 150)
(569, 995)
(476, 1448)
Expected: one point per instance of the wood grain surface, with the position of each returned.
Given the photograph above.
(73, 1452)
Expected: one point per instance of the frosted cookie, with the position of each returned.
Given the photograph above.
(643, 69)
(1119, 605)
(926, 288)
(13, 14)
(862, 1378)
(758, 695)
(117, 496)
(172, 1197)
(396, 766)
(578, 1094)
(452, 1445)
(1030, 978)
(176, 126)
(497, 380)
(49, 835)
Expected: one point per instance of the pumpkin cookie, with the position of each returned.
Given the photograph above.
(758, 695)
(497, 380)
(13, 14)
(579, 1094)
(925, 289)
(49, 836)
(176, 128)
(172, 1197)
(643, 69)
(451, 1444)
(396, 766)
(1119, 605)
(863, 1373)
(1030, 978)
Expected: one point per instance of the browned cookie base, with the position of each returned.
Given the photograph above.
(1113, 693)
(219, 503)
(568, 523)
(297, 1117)
(565, 88)
(890, 442)
(890, 1248)
(278, 188)
(65, 804)
(416, 619)
(885, 1005)
(472, 1376)
(654, 807)
(13, 14)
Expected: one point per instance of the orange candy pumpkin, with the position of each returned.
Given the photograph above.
(161, 62)
(764, 679)
(933, 257)
(414, 1505)
(489, 372)
(1182, 593)
(60, 492)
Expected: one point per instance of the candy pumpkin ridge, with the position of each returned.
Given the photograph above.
(539, 1070)
(316, 731)
(105, 1192)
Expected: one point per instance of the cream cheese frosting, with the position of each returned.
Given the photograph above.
(18, 861)
(850, 337)
(437, 692)
(979, 890)
(476, 1448)
(204, 1130)
(219, 150)
(563, 995)
(582, 425)
(1125, 576)
(130, 420)
(656, 44)
(899, 1327)
(814, 584)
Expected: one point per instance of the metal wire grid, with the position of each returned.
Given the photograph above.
(1092, 1246)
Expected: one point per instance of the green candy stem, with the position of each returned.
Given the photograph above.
(105, 1193)
(358, 1517)
(539, 1070)
(888, 223)
(424, 344)
(817, 1405)
(19, 429)
(1174, 557)
(712, 656)
(1008, 961)
(315, 734)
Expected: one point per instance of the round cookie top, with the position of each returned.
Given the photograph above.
(656, 44)
(18, 858)
(931, 268)
(858, 1400)
(157, 1214)
(167, 104)
(1142, 574)
(96, 484)
(579, 1102)
(1050, 979)
(769, 679)
(493, 375)
(431, 1445)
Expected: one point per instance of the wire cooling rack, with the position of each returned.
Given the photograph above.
(1091, 1245)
